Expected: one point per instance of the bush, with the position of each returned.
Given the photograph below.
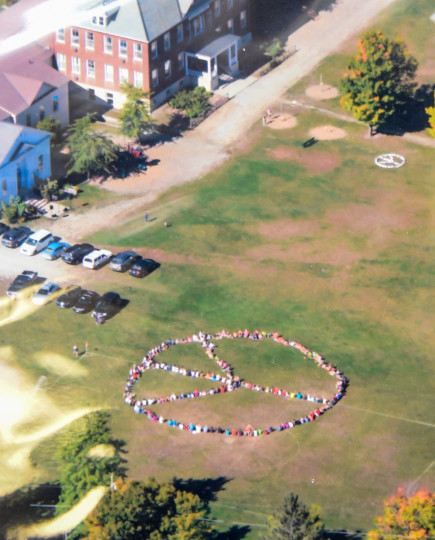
(53, 126)
(193, 102)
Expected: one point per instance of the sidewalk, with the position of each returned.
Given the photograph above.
(209, 145)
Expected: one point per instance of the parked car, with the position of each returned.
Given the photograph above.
(123, 261)
(143, 267)
(45, 293)
(54, 250)
(76, 253)
(109, 304)
(15, 237)
(3, 228)
(36, 242)
(68, 299)
(86, 301)
(21, 282)
(97, 258)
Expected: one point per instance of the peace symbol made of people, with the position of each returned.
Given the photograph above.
(228, 381)
(390, 161)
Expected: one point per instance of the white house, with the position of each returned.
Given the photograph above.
(24, 159)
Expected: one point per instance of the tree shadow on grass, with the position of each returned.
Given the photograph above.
(411, 117)
(236, 532)
(205, 488)
(343, 535)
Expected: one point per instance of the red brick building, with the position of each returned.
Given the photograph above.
(160, 46)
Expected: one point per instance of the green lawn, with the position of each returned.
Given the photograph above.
(318, 244)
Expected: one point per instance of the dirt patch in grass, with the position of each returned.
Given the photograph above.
(322, 91)
(327, 133)
(316, 162)
(282, 121)
(284, 229)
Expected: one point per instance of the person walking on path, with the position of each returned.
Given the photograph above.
(264, 120)
(76, 351)
(146, 217)
(269, 114)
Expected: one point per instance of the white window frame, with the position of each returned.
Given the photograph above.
(75, 39)
(108, 44)
(109, 73)
(61, 61)
(60, 35)
(198, 25)
(90, 71)
(123, 51)
(123, 75)
(138, 78)
(137, 51)
(166, 41)
(90, 41)
(167, 68)
(75, 65)
(217, 8)
(229, 4)
(180, 33)
(155, 77)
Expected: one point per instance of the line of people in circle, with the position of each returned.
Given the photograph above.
(228, 382)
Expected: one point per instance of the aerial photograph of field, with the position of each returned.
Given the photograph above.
(216, 269)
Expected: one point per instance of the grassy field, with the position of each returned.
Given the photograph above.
(319, 244)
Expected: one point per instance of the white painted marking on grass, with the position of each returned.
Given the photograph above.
(390, 416)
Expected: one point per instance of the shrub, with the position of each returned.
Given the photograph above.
(193, 102)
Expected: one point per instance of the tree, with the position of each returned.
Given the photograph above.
(79, 471)
(406, 517)
(294, 521)
(431, 112)
(135, 113)
(90, 151)
(379, 78)
(13, 210)
(137, 510)
(49, 189)
(53, 126)
(193, 102)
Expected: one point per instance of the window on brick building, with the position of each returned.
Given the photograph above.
(60, 35)
(108, 72)
(90, 44)
(90, 68)
(75, 65)
(123, 75)
(75, 37)
(154, 49)
(61, 61)
(217, 8)
(137, 51)
(229, 4)
(180, 60)
(108, 45)
(166, 41)
(198, 25)
(230, 26)
(109, 98)
(138, 79)
(123, 47)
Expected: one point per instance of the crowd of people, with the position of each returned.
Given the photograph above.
(228, 382)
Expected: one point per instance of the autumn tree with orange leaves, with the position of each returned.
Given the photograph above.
(410, 517)
(379, 78)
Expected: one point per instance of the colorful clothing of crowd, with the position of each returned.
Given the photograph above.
(228, 382)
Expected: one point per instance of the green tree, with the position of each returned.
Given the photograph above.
(53, 126)
(379, 78)
(90, 151)
(13, 210)
(49, 189)
(431, 112)
(135, 112)
(294, 521)
(193, 102)
(81, 471)
(406, 517)
(154, 510)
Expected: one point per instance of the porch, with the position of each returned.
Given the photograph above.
(221, 55)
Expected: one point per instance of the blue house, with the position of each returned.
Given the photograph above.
(25, 159)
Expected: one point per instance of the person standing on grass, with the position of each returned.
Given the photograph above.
(264, 120)
(76, 351)
(269, 114)
(146, 217)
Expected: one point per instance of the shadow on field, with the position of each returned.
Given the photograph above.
(205, 488)
(343, 535)
(237, 532)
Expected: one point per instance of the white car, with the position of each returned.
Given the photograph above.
(45, 293)
(97, 258)
(36, 242)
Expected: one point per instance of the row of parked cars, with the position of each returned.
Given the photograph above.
(42, 241)
(81, 300)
